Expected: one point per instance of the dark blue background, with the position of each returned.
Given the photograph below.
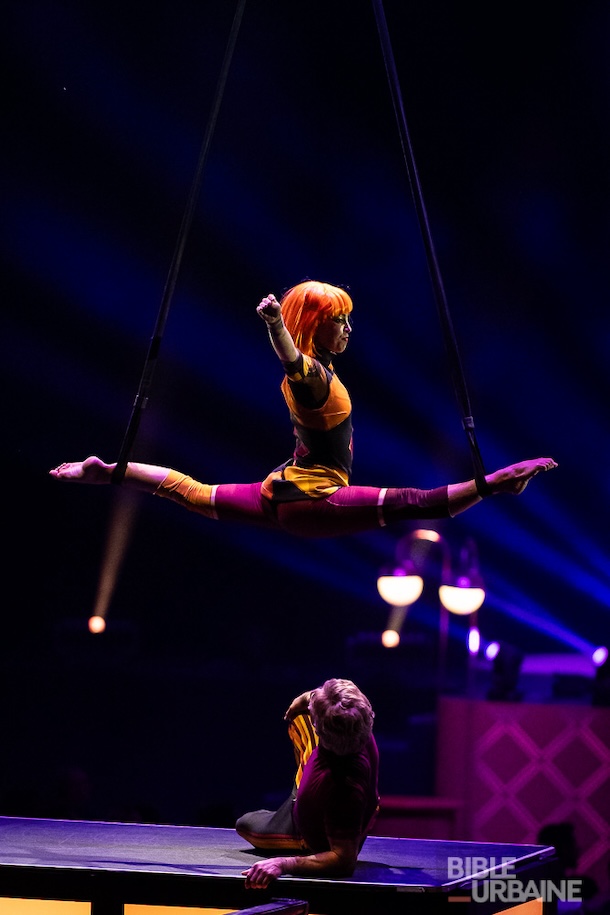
(211, 629)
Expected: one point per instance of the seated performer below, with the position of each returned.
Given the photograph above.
(310, 494)
(334, 799)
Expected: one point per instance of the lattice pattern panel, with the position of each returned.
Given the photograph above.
(520, 766)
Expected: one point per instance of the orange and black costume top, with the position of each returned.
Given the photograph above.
(322, 459)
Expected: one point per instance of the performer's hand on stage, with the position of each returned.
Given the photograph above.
(269, 309)
(298, 706)
(514, 479)
(92, 470)
(262, 873)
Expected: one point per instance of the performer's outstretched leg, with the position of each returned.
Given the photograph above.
(348, 510)
(355, 509)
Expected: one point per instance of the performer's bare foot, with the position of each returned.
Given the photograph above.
(514, 479)
(92, 470)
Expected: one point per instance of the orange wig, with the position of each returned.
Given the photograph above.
(307, 305)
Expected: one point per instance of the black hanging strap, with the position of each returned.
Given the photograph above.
(455, 362)
(170, 284)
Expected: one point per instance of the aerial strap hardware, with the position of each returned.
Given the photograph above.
(455, 362)
(150, 363)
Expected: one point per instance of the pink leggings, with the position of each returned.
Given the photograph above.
(349, 510)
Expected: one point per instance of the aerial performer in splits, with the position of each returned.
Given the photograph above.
(310, 495)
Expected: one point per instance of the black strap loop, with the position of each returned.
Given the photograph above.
(141, 398)
(455, 362)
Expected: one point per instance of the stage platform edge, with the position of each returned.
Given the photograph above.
(114, 866)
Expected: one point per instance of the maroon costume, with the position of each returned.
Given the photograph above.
(334, 797)
(337, 797)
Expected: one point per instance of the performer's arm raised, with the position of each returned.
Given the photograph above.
(270, 311)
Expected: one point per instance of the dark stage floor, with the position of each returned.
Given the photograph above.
(115, 863)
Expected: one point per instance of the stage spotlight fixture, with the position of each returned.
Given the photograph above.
(474, 640)
(461, 599)
(460, 592)
(390, 638)
(491, 650)
(600, 656)
(97, 624)
(505, 675)
(463, 593)
(400, 587)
